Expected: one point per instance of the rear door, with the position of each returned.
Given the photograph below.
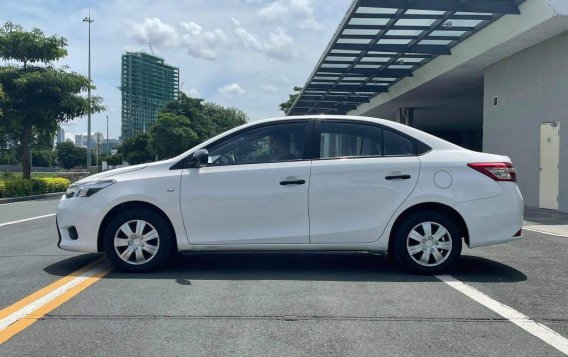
(360, 175)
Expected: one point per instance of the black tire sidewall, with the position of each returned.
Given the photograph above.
(164, 232)
(401, 235)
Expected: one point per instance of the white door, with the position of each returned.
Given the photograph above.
(255, 189)
(549, 160)
(363, 175)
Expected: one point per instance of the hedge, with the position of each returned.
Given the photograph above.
(35, 186)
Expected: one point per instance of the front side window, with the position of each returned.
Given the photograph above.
(271, 143)
(349, 140)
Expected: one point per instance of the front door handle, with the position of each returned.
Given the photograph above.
(397, 177)
(293, 182)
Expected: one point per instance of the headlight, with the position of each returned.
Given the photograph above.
(87, 189)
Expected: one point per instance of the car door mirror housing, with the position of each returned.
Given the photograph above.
(198, 159)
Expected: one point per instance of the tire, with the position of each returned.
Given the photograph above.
(138, 240)
(423, 253)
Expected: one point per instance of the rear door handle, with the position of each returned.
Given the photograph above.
(293, 182)
(397, 177)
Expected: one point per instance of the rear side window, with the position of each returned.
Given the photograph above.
(397, 145)
(349, 140)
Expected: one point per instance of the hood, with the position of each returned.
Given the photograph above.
(111, 173)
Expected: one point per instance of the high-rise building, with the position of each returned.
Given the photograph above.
(81, 140)
(147, 83)
(60, 137)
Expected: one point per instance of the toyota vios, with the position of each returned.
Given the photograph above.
(300, 183)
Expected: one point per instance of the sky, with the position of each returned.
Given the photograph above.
(241, 53)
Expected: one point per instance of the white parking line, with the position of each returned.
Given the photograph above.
(541, 331)
(26, 219)
(543, 232)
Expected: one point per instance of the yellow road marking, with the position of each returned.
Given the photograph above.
(36, 313)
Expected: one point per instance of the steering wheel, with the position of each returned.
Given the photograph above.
(223, 160)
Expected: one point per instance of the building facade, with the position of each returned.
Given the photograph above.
(487, 75)
(147, 84)
(60, 136)
(81, 140)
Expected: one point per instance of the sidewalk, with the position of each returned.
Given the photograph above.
(546, 221)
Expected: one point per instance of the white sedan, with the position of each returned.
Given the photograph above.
(340, 183)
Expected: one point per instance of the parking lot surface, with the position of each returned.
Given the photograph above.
(293, 304)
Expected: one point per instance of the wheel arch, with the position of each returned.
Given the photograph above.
(429, 207)
(127, 206)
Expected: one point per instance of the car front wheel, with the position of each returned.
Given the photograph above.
(138, 240)
(427, 242)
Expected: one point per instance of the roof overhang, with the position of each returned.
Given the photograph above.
(382, 43)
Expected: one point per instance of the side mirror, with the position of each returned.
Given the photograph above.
(199, 158)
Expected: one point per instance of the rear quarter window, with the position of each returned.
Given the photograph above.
(397, 145)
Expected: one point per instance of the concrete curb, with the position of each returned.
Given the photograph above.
(46, 196)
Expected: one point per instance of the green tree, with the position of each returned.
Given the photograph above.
(38, 97)
(191, 108)
(112, 160)
(115, 160)
(1, 97)
(222, 118)
(9, 156)
(43, 158)
(135, 149)
(171, 135)
(207, 119)
(69, 156)
(285, 106)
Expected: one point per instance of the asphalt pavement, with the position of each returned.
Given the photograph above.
(282, 304)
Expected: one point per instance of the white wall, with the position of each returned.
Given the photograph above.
(532, 87)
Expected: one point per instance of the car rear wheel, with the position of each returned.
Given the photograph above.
(427, 242)
(138, 240)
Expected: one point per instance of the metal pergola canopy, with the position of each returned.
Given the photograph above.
(380, 42)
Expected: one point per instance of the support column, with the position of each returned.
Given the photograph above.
(405, 116)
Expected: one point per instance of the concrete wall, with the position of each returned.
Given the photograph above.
(532, 87)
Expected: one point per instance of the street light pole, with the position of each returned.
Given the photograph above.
(89, 21)
(98, 148)
(108, 146)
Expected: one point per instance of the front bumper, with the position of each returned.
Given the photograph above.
(86, 215)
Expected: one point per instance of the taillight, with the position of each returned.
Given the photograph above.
(498, 171)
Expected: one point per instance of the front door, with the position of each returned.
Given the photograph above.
(363, 174)
(255, 189)
(549, 160)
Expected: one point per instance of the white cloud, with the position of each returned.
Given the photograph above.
(231, 89)
(192, 92)
(202, 44)
(284, 79)
(279, 45)
(192, 27)
(154, 31)
(269, 88)
(208, 44)
(298, 11)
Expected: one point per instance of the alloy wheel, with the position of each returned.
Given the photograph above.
(429, 244)
(136, 242)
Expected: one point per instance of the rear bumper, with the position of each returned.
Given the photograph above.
(494, 220)
(85, 215)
